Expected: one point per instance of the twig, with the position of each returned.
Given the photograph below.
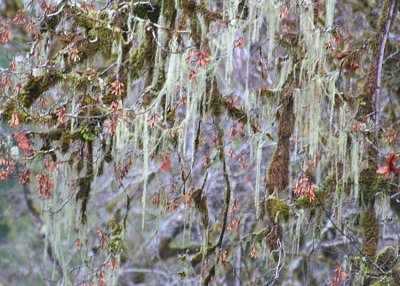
(381, 53)
(354, 243)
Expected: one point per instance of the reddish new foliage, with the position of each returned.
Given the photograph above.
(14, 121)
(5, 173)
(117, 88)
(19, 18)
(44, 186)
(23, 142)
(166, 163)
(390, 165)
(340, 276)
(24, 177)
(304, 187)
(4, 32)
(102, 238)
(61, 114)
(239, 42)
(253, 253)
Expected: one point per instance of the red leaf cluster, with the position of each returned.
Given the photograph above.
(5, 173)
(340, 275)
(19, 18)
(14, 121)
(304, 187)
(200, 56)
(23, 142)
(4, 32)
(44, 186)
(24, 177)
(117, 88)
(124, 170)
(253, 253)
(102, 238)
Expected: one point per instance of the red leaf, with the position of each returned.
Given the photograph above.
(383, 171)
(167, 162)
(390, 165)
(14, 121)
(343, 54)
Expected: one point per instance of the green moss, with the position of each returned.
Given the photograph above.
(243, 9)
(379, 283)
(277, 209)
(386, 258)
(36, 85)
(169, 12)
(111, 206)
(386, 281)
(382, 183)
(144, 54)
(87, 132)
(257, 235)
(200, 203)
(355, 266)
(115, 246)
(65, 141)
(370, 229)
(368, 179)
(108, 98)
(108, 154)
(105, 38)
(80, 165)
(208, 15)
(369, 277)
(196, 258)
(82, 20)
(9, 108)
(396, 272)
(384, 15)
(52, 135)
(303, 203)
(322, 193)
(147, 12)
(100, 170)
(84, 185)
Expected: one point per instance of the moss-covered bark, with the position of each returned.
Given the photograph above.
(278, 171)
(370, 230)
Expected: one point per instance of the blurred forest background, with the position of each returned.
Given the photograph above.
(191, 142)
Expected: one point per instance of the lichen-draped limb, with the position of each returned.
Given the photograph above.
(53, 74)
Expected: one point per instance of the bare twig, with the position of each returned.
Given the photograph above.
(381, 53)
